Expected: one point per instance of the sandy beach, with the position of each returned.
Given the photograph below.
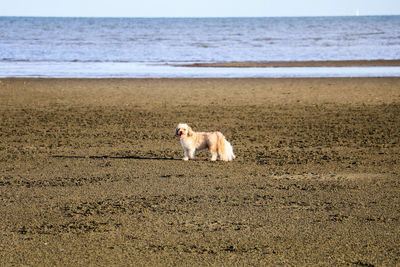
(91, 172)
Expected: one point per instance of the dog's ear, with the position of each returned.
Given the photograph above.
(176, 130)
(190, 131)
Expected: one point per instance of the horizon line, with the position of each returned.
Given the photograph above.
(192, 17)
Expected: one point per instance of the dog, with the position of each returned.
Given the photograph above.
(215, 142)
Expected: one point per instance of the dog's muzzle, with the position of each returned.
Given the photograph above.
(179, 133)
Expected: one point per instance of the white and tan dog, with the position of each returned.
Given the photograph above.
(215, 142)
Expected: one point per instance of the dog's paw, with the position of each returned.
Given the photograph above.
(185, 159)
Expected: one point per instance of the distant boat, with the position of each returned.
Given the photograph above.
(357, 12)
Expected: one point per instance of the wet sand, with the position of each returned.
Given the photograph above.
(91, 172)
(290, 64)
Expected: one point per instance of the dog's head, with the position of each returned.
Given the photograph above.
(183, 130)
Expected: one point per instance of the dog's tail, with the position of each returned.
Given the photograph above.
(225, 150)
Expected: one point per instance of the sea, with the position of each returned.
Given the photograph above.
(52, 47)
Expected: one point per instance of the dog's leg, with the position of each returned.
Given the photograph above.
(191, 153)
(186, 155)
(214, 154)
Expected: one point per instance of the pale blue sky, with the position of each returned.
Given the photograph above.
(197, 8)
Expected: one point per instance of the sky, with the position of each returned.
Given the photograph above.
(197, 8)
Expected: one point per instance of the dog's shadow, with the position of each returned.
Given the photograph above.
(112, 157)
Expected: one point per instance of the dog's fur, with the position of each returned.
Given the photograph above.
(215, 142)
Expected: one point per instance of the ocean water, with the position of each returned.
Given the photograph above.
(149, 47)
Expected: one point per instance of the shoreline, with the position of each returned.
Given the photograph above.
(307, 69)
